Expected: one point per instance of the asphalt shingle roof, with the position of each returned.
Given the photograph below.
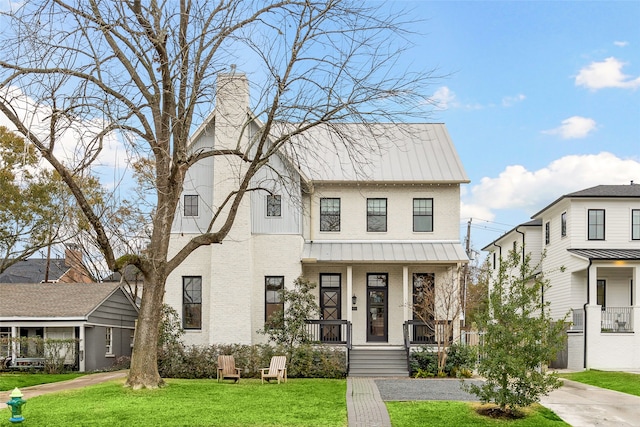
(45, 300)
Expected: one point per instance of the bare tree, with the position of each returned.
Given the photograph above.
(438, 305)
(146, 72)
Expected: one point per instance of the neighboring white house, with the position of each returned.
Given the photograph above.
(592, 243)
(364, 234)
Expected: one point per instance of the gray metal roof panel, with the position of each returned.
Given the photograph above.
(607, 254)
(405, 152)
(376, 251)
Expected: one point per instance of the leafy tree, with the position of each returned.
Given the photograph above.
(287, 327)
(31, 210)
(146, 72)
(519, 337)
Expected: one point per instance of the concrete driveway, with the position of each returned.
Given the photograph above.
(582, 405)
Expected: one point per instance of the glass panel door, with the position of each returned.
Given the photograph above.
(377, 318)
(330, 306)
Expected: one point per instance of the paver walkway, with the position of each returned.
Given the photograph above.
(365, 407)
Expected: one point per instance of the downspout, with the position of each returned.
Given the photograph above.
(584, 326)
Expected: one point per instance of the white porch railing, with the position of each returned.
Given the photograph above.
(617, 319)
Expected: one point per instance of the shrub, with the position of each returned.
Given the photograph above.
(460, 362)
(201, 361)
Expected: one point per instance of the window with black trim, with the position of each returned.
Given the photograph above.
(601, 293)
(596, 224)
(422, 214)
(273, 302)
(329, 214)
(377, 215)
(547, 233)
(635, 224)
(274, 205)
(190, 205)
(191, 302)
(563, 224)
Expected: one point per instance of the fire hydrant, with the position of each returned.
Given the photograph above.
(16, 404)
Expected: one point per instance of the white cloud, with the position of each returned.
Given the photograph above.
(573, 128)
(443, 98)
(608, 73)
(71, 142)
(509, 101)
(621, 43)
(519, 188)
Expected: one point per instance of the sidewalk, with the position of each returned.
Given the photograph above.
(79, 382)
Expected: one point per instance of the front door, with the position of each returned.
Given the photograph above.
(377, 313)
(330, 306)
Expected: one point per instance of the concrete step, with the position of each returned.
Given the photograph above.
(378, 362)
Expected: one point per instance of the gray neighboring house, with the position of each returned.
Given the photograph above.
(101, 316)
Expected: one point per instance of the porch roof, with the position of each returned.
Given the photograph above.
(389, 252)
(607, 254)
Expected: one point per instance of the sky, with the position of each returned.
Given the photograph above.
(541, 98)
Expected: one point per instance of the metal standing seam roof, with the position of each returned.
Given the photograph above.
(403, 153)
(374, 251)
(607, 254)
(52, 300)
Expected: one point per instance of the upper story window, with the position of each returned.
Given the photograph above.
(596, 224)
(273, 302)
(547, 233)
(635, 224)
(274, 206)
(190, 205)
(563, 224)
(192, 302)
(422, 214)
(494, 261)
(329, 214)
(376, 214)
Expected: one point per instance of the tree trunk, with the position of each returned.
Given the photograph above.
(144, 360)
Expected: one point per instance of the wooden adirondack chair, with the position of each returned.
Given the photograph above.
(277, 369)
(227, 369)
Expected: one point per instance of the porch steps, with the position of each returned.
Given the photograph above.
(378, 361)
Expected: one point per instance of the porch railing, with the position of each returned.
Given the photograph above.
(336, 332)
(419, 332)
(577, 320)
(617, 319)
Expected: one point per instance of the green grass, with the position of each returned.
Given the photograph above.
(8, 381)
(299, 402)
(454, 414)
(619, 381)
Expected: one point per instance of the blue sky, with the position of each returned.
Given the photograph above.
(542, 98)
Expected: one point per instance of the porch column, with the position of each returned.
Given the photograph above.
(14, 344)
(81, 347)
(635, 320)
(405, 292)
(593, 285)
(349, 293)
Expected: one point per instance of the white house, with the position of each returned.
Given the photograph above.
(591, 239)
(367, 227)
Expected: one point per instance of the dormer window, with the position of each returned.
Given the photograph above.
(274, 206)
(190, 205)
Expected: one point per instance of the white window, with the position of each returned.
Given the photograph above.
(109, 340)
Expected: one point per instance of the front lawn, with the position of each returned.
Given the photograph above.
(10, 380)
(454, 414)
(619, 381)
(299, 402)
